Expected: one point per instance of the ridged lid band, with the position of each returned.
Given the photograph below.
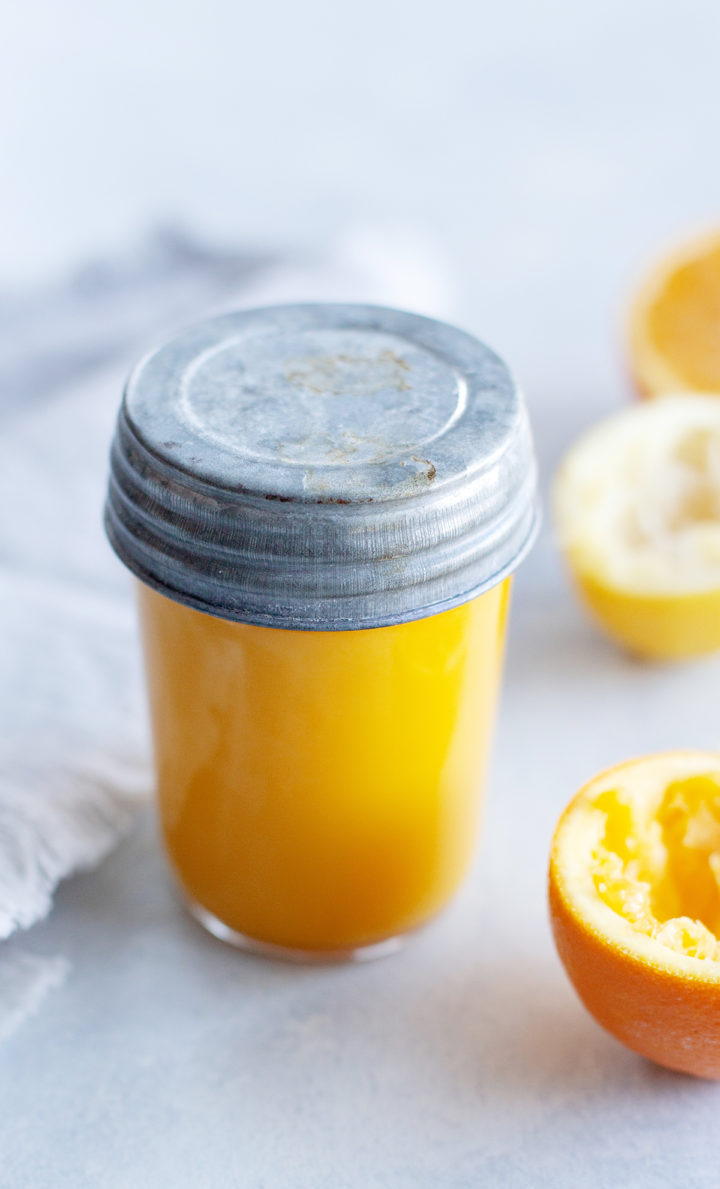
(322, 468)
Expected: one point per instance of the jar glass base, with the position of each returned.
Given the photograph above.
(266, 949)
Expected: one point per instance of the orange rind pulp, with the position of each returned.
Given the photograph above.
(637, 515)
(675, 322)
(634, 891)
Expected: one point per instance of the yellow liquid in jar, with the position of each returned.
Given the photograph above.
(320, 791)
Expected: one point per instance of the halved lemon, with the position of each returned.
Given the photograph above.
(675, 322)
(637, 514)
(635, 905)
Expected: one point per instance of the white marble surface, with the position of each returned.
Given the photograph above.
(548, 148)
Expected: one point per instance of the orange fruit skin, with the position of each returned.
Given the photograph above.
(673, 318)
(670, 1017)
(657, 627)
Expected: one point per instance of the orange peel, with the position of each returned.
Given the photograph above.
(637, 515)
(634, 891)
(674, 339)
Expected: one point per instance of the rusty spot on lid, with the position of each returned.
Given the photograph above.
(431, 471)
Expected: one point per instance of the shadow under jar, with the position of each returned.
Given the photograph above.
(323, 504)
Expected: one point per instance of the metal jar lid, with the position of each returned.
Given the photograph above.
(323, 467)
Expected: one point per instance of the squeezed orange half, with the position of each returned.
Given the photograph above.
(674, 336)
(635, 905)
(637, 515)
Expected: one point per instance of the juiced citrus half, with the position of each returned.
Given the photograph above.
(637, 514)
(635, 905)
(675, 322)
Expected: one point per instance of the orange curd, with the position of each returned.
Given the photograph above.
(320, 790)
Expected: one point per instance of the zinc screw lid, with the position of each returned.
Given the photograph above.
(322, 467)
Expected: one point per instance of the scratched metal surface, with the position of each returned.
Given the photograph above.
(322, 467)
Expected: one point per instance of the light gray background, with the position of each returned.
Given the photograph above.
(548, 149)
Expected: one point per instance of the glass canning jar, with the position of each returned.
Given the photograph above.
(323, 505)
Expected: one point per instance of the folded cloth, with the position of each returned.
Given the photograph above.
(73, 744)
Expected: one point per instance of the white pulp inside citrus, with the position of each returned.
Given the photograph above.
(638, 498)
